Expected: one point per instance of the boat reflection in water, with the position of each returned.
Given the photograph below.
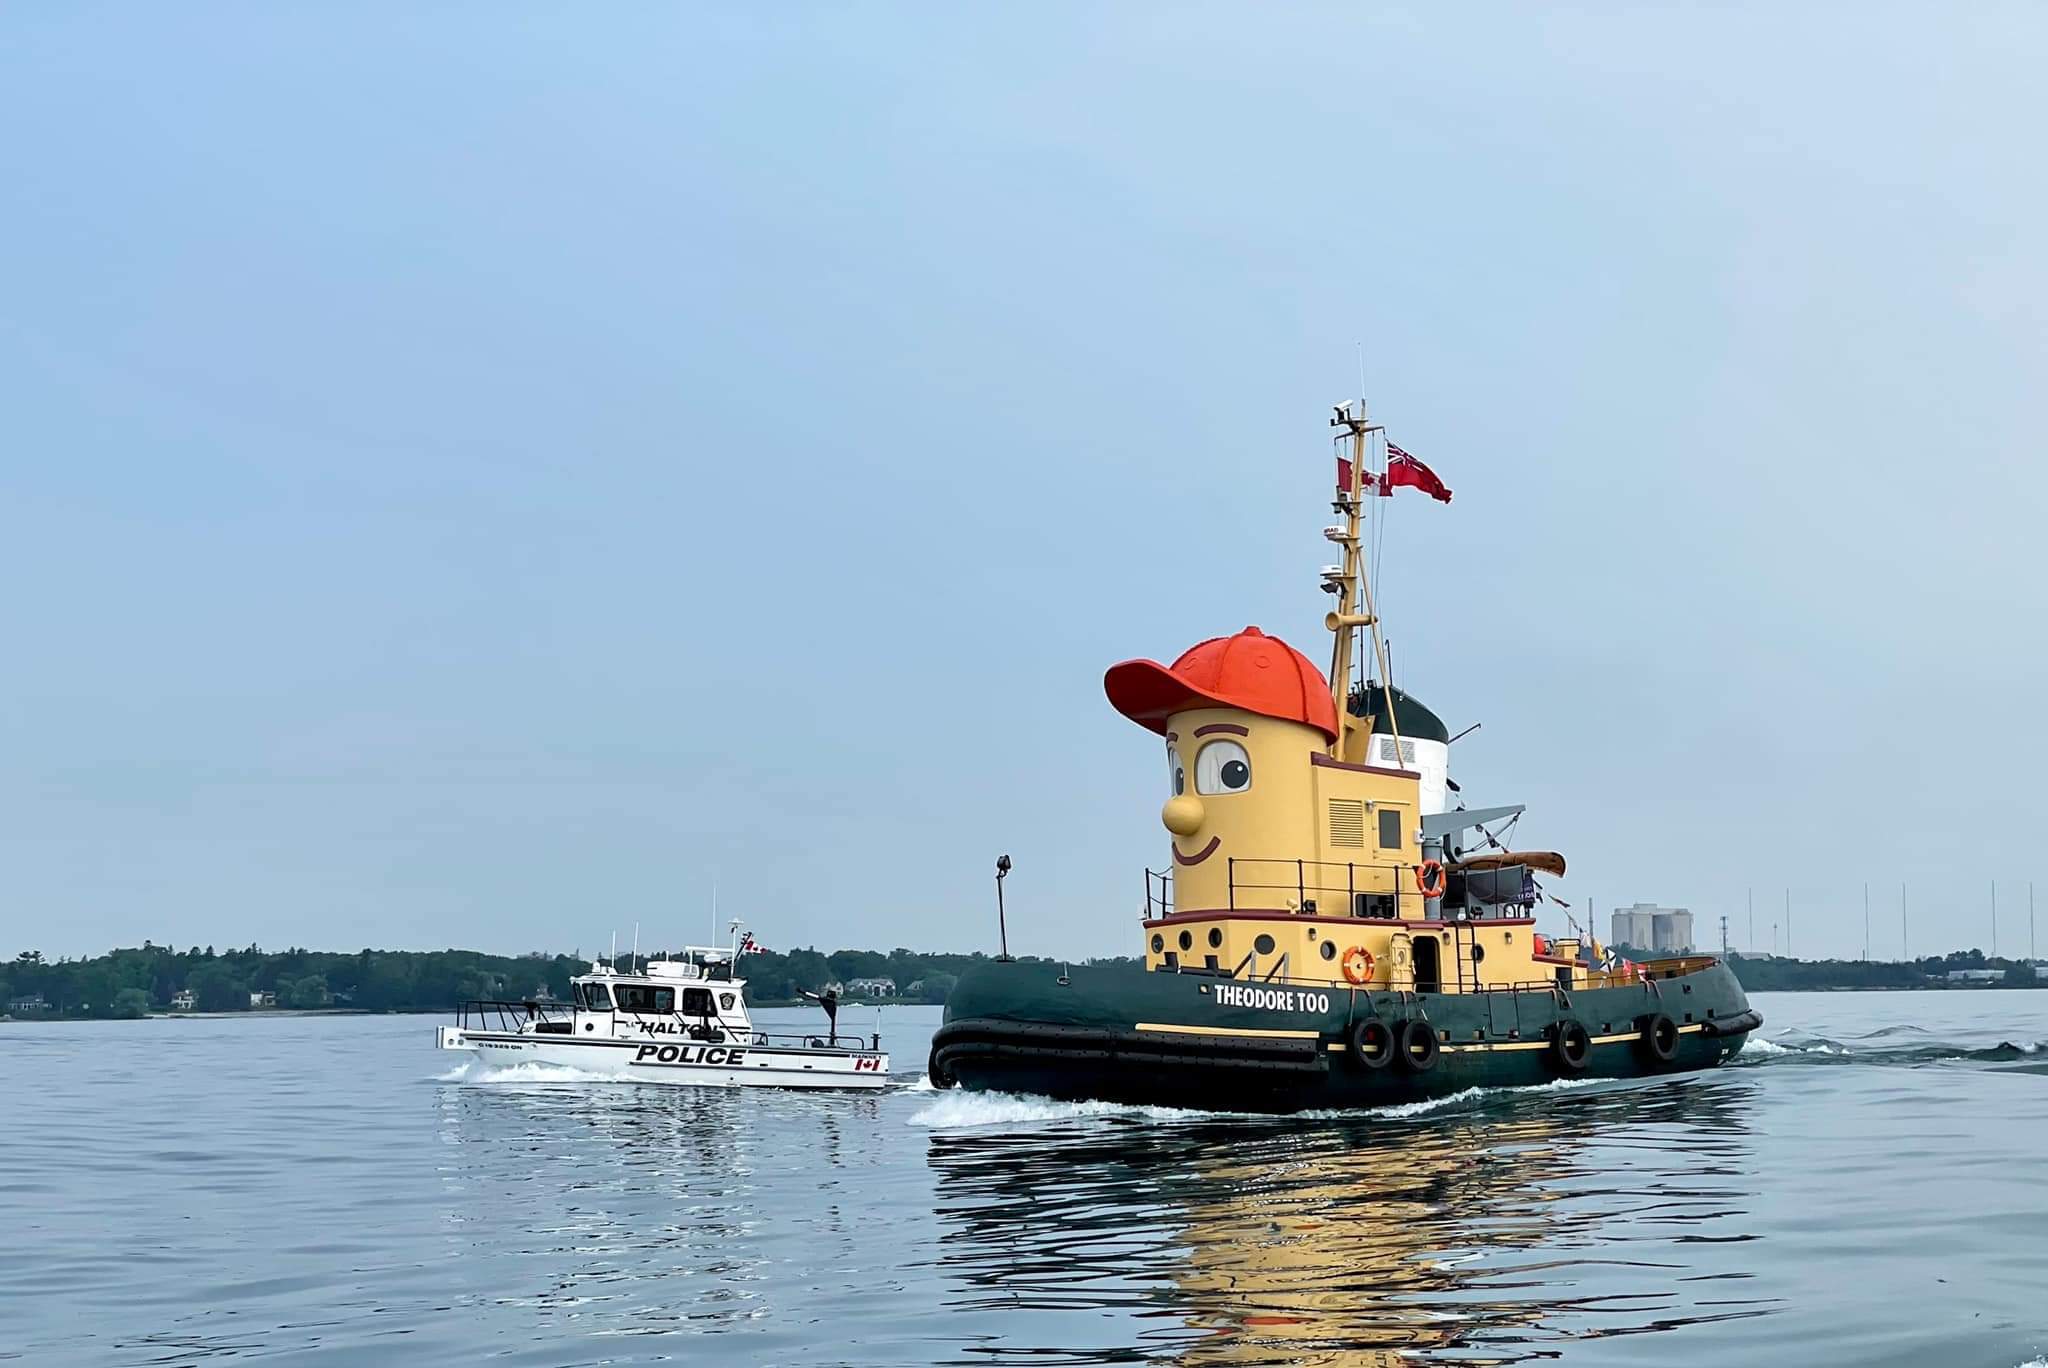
(1487, 1236)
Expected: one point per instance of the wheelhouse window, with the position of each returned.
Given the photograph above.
(646, 999)
(595, 997)
(1390, 828)
(697, 1002)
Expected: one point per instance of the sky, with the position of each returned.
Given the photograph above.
(491, 474)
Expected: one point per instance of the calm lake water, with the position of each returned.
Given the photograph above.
(1866, 1187)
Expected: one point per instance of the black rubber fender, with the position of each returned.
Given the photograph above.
(1570, 1046)
(1416, 1043)
(1372, 1043)
(1658, 1043)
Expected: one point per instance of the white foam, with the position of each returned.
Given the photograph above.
(527, 1071)
(1424, 1106)
(966, 1109)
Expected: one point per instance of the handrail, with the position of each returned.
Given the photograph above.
(509, 1015)
(812, 1040)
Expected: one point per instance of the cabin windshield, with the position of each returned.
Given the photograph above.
(594, 996)
(646, 998)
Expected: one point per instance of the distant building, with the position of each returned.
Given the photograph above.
(1646, 926)
(872, 987)
(32, 1003)
(263, 999)
(183, 1000)
(1976, 975)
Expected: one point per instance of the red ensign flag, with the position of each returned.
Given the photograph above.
(1402, 469)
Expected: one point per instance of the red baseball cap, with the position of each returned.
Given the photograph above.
(1251, 671)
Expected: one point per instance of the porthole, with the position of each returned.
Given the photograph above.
(1215, 936)
(1158, 943)
(1187, 940)
(1264, 944)
(1478, 953)
(1329, 950)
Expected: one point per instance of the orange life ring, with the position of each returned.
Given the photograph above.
(1358, 964)
(1429, 878)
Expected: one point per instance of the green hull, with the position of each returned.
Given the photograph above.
(1126, 1034)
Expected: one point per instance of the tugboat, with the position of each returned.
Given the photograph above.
(667, 1020)
(1331, 931)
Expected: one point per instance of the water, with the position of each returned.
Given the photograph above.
(324, 1190)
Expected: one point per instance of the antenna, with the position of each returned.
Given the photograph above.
(636, 944)
(612, 960)
(1002, 922)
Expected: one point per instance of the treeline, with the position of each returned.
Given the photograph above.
(1773, 974)
(136, 982)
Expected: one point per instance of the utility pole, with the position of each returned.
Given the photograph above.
(1866, 921)
(1724, 938)
(1788, 923)
(1774, 939)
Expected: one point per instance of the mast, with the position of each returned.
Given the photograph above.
(1353, 588)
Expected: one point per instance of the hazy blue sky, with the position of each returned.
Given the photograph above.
(473, 474)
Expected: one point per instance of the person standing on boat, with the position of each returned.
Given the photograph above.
(829, 1000)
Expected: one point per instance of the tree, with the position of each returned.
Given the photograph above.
(131, 1004)
(938, 986)
(306, 994)
(217, 988)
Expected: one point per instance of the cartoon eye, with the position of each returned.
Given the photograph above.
(1176, 773)
(1223, 767)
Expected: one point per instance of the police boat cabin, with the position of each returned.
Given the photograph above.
(680, 1019)
(1329, 927)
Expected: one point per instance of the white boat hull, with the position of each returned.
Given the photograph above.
(733, 1064)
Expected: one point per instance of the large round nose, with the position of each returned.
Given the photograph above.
(1182, 814)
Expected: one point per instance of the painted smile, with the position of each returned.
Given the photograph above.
(1206, 852)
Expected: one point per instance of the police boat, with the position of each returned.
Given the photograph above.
(674, 1019)
(1334, 927)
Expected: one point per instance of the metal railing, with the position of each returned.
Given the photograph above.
(495, 1014)
(1327, 888)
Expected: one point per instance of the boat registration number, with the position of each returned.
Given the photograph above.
(1271, 999)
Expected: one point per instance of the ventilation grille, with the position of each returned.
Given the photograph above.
(1347, 823)
(1389, 756)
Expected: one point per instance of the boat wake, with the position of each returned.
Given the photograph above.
(1883, 1047)
(965, 1110)
(477, 1071)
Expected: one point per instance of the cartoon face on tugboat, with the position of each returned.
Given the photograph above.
(1328, 929)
